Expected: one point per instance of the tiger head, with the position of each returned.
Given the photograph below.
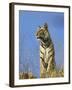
(42, 34)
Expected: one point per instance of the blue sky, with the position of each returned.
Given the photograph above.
(29, 45)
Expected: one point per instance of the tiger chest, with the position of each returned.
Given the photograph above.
(44, 54)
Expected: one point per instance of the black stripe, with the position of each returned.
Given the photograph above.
(44, 64)
(41, 52)
(50, 56)
(42, 58)
(42, 45)
(51, 50)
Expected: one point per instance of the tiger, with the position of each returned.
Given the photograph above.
(47, 52)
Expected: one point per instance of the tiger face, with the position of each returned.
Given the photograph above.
(42, 33)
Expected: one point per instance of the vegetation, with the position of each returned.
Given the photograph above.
(23, 75)
(26, 73)
(51, 74)
(54, 73)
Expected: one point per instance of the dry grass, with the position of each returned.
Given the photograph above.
(53, 73)
(56, 73)
(23, 75)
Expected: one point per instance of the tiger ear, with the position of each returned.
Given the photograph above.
(39, 26)
(46, 26)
